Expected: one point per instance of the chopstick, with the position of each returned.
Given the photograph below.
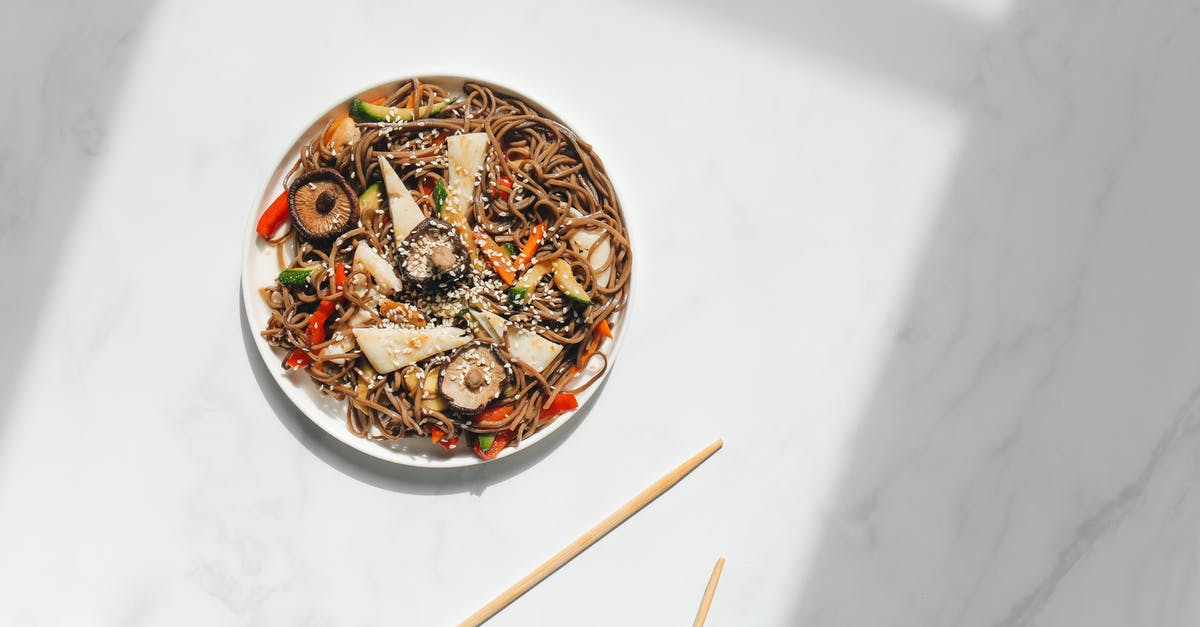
(590, 537)
(711, 589)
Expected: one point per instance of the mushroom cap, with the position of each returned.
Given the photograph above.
(322, 205)
(474, 377)
(433, 252)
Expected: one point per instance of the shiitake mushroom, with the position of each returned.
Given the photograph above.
(474, 377)
(322, 205)
(433, 253)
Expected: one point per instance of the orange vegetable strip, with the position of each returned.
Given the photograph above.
(495, 255)
(531, 245)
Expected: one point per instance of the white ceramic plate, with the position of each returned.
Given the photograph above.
(259, 269)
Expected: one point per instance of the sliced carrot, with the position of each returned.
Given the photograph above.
(495, 254)
(437, 435)
(604, 330)
(327, 138)
(531, 245)
(402, 312)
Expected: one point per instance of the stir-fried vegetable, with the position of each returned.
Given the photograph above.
(495, 255)
(439, 196)
(299, 358)
(316, 322)
(367, 112)
(405, 213)
(274, 217)
(439, 437)
(370, 201)
(295, 277)
(531, 245)
(466, 154)
(341, 133)
(401, 313)
(339, 277)
(597, 249)
(523, 345)
(392, 349)
(493, 418)
(562, 403)
(499, 441)
(369, 261)
(564, 278)
(503, 188)
(521, 291)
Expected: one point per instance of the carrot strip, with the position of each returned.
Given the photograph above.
(327, 138)
(495, 255)
(437, 435)
(398, 312)
(531, 245)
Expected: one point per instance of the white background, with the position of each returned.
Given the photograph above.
(929, 268)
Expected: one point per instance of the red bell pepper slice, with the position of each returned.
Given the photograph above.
(273, 217)
(503, 189)
(501, 441)
(298, 359)
(494, 418)
(316, 322)
(562, 403)
(339, 277)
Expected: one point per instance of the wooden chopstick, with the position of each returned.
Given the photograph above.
(711, 589)
(589, 538)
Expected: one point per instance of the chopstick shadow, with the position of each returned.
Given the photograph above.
(386, 475)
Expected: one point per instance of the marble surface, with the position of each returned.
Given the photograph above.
(928, 267)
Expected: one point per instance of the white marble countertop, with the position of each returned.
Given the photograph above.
(928, 267)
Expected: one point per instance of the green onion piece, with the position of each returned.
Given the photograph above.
(439, 196)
